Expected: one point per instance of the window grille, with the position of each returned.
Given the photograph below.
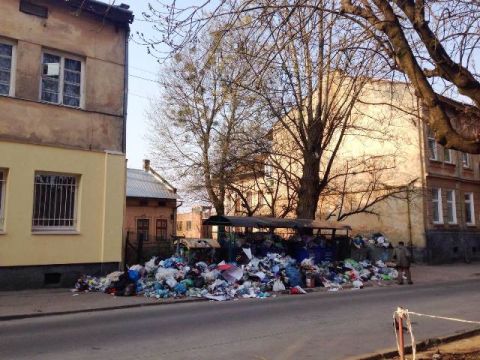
(55, 201)
(61, 80)
(2, 197)
(6, 55)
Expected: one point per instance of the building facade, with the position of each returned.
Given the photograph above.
(436, 210)
(190, 224)
(150, 215)
(63, 80)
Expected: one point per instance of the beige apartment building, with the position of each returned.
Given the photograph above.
(63, 83)
(437, 210)
(190, 223)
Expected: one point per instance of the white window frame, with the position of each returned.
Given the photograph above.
(46, 228)
(62, 56)
(268, 170)
(438, 202)
(450, 153)
(471, 205)
(434, 156)
(13, 68)
(466, 164)
(452, 201)
(3, 193)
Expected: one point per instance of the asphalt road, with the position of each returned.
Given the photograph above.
(315, 326)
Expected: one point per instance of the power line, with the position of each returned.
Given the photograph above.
(143, 78)
(144, 70)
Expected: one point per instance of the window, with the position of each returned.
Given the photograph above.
(161, 229)
(143, 229)
(61, 80)
(179, 226)
(466, 160)
(55, 199)
(432, 146)
(261, 200)
(3, 175)
(437, 212)
(6, 68)
(447, 155)
(189, 225)
(268, 169)
(451, 207)
(469, 209)
(238, 206)
(250, 199)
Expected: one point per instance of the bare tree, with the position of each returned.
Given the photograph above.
(204, 123)
(433, 43)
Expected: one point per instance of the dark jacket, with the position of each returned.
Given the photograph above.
(402, 256)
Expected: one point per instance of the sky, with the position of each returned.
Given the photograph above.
(140, 91)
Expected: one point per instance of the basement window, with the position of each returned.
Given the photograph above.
(62, 79)
(55, 201)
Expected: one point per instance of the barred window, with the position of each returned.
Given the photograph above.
(61, 80)
(3, 179)
(55, 201)
(189, 225)
(6, 60)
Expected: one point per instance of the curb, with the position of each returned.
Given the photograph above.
(117, 307)
(421, 346)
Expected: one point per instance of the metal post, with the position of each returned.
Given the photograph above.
(401, 341)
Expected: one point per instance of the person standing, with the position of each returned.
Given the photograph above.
(403, 259)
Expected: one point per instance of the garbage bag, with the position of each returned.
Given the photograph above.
(278, 285)
(294, 276)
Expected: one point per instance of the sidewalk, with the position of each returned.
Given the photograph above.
(33, 303)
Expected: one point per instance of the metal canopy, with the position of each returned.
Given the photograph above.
(270, 222)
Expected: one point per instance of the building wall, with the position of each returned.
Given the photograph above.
(196, 230)
(150, 209)
(100, 206)
(98, 125)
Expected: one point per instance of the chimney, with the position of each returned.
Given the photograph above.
(146, 165)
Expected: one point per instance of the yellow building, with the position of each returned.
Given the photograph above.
(437, 210)
(63, 79)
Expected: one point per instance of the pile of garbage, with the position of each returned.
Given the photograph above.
(256, 278)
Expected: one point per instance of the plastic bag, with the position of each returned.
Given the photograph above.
(278, 285)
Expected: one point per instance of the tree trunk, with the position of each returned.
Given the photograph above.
(309, 190)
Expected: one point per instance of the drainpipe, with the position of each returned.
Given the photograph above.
(125, 92)
(410, 238)
(177, 249)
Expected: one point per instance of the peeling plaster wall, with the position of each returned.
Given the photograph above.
(99, 124)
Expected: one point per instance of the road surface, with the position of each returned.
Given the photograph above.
(317, 326)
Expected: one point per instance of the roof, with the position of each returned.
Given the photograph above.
(119, 14)
(145, 184)
(270, 222)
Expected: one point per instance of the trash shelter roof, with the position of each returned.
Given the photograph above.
(145, 184)
(270, 222)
